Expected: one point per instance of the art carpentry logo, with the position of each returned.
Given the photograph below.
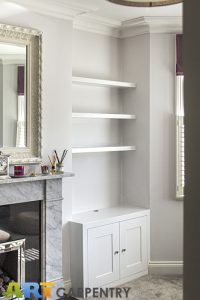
(28, 290)
(43, 290)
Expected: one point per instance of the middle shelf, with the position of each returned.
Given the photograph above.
(103, 116)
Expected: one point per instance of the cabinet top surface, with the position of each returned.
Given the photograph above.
(111, 214)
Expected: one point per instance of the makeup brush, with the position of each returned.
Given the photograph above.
(63, 155)
(57, 156)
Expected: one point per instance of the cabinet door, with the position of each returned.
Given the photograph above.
(103, 255)
(133, 246)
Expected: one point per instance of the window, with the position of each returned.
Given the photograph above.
(180, 138)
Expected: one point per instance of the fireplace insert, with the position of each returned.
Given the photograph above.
(20, 243)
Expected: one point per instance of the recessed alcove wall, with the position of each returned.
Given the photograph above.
(109, 179)
(97, 183)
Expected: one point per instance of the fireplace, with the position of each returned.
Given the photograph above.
(31, 214)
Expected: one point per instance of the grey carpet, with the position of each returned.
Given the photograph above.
(156, 287)
(153, 288)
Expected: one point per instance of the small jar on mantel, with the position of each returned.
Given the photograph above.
(60, 168)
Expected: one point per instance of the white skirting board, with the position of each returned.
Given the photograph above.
(166, 268)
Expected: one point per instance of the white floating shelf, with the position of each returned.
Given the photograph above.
(103, 116)
(101, 82)
(103, 149)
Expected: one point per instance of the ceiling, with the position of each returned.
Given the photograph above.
(9, 9)
(94, 8)
(103, 8)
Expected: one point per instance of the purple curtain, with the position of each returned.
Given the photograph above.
(179, 54)
(20, 80)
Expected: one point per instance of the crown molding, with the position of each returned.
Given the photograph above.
(130, 28)
(97, 24)
(145, 25)
(62, 9)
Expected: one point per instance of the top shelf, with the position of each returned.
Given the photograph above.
(101, 82)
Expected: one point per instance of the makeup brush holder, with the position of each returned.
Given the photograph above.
(60, 168)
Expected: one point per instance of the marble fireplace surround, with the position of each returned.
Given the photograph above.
(47, 189)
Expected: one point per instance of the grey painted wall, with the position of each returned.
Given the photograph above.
(149, 173)
(166, 212)
(135, 61)
(95, 55)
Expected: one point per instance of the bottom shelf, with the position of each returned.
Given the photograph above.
(103, 149)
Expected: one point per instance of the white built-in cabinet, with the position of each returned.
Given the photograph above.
(109, 246)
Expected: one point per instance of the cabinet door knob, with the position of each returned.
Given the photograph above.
(116, 252)
(123, 250)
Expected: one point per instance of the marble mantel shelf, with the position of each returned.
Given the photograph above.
(36, 178)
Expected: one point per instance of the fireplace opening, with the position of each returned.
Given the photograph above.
(12, 253)
(20, 243)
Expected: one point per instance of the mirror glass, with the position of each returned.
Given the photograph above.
(13, 99)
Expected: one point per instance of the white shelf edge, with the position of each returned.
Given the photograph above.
(101, 82)
(103, 149)
(103, 116)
